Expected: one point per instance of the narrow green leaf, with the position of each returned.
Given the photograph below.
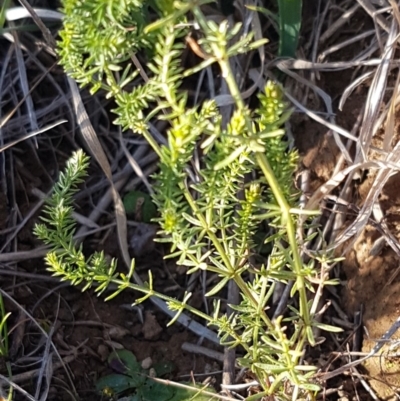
(192, 220)
(234, 155)
(289, 26)
(218, 287)
(327, 327)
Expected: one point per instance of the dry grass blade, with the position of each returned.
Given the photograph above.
(344, 19)
(379, 344)
(96, 149)
(134, 164)
(29, 375)
(328, 104)
(353, 85)
(45, 334)
(32, 134)
(24, 84)
(333, 66)
(45, 31)
(5, 119)
(17, 13)
(16, 387)
(320, 120)
(338, 46)
(375, 96)
(46, 368)
(373, 12)
(372, 198)
(336, 180)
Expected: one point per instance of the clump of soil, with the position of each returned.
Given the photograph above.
(368, 284)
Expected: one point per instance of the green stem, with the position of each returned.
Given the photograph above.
(289, 26)
(116, 89)
(262, 161)
(4, 331)
(291, 233)
(150, 292)
(220, 250)
(4, 343)
(152, 142)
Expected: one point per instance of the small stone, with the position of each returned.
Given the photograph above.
(151, 329)
(117, 332)
(146, 363)
(103, 352)
(114, 345)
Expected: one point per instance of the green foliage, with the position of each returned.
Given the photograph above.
(216, 184)
(4, 346)
(4, 7)
(98, 36)
(287, 23)
(139, 205)
(135, 381)
(66, 259)
(290, 14)
(60, 227)
(3, 330)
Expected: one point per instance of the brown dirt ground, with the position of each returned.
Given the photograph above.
(366, 276)
(367, 285)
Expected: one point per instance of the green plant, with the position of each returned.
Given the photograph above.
(3, 329)
(209, 213)
(139, 205)
(141, 384)
(4, 341)
(5, 5)
(290, 15)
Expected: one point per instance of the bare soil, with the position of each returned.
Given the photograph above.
(366, 276)
(85, 330)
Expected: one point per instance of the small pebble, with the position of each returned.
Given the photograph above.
(117, 332)
(103, 352)
(151, 329)
(146, 363)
